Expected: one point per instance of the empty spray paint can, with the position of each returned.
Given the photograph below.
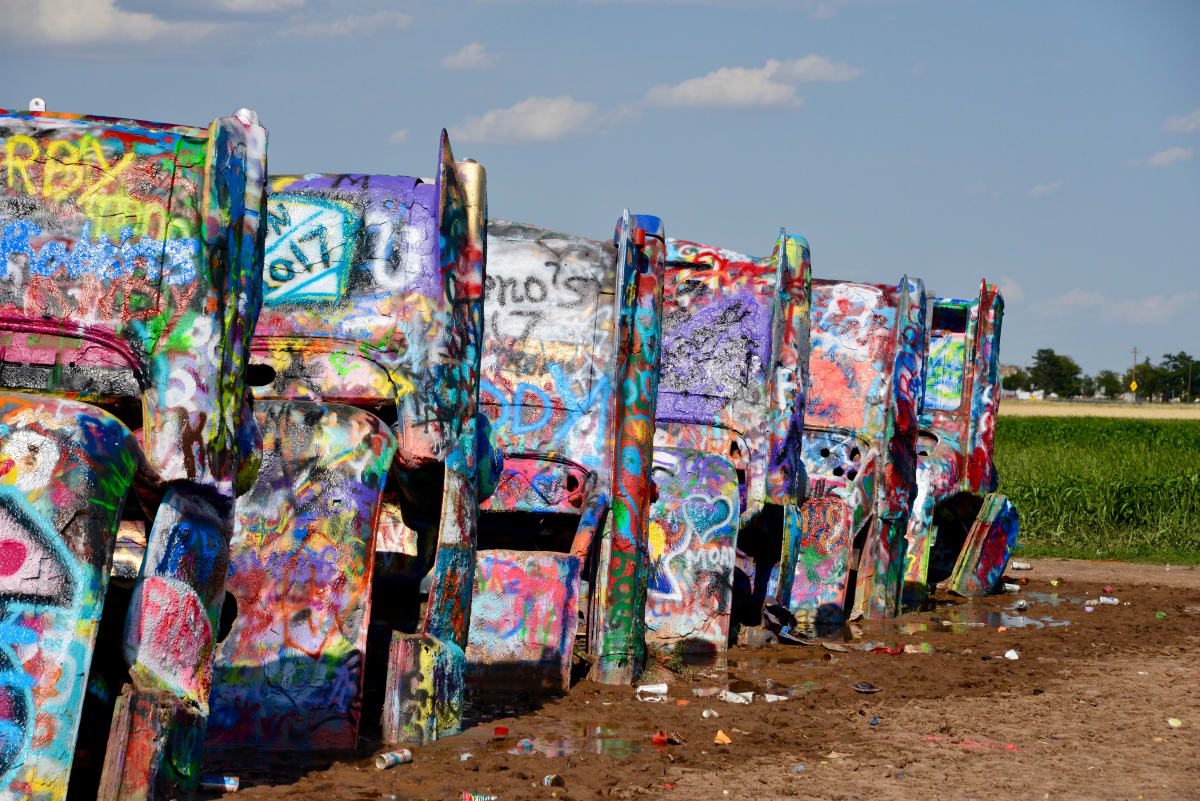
(391, 759)
(1020, 566)
(553, 780)
(224, 784)
(1012, 587)
(1109, 600)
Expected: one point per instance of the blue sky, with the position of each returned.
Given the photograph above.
(1049, 146)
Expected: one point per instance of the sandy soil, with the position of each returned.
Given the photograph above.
(1145, 411)
(1081, 714)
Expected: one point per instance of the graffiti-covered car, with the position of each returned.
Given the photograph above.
(569, 383)
(365, 372)
(727, 460)
(961, 529)
(129, 290)
(860, 436)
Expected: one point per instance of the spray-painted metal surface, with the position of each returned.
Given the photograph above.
(127, 279)
(372, 299)
(860, 435)
(617, 626)
(301, 564)
(735, 353)
(65, 469)
(958, 529)
(692, 544)
(564, 394)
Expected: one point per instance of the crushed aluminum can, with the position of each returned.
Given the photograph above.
(391, 759)
(1022, 605)
(730, 697)
(225, 784)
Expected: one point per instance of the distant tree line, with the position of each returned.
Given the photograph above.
(1173, 377)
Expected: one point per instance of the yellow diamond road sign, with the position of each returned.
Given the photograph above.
(1133, 386)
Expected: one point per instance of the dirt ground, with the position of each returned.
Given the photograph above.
(1082, 713)
(1144, 411)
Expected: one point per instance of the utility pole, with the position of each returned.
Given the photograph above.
(1133, 375)
(1189, 392)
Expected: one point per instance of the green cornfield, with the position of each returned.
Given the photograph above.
(1103, 488)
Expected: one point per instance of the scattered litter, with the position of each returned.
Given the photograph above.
(1020, 566)
(391, 759)
(1108, 600)
(1089, 608)
(918, 648)
(705, 692)
(837, 755)
(883, 649)
(225, 784)
(798, 769)
(1012, 587)
(553, 780)
(659, 738)
(464, 756)
(833, 646)
(865, 687)
(501, 731)
(1161, 615)
(722, 738)
(1011, 653)
(1108, 590)
(730, 697)
(675, 738)
(655, 693)
(770, 698)
(682, 702)
(1053, 582)
(525, 744)
(710, 713)
(478, 797)
(873, 721)
(1174, 723)
(1022, 605)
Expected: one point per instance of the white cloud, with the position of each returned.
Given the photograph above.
(355, 23)
(1010, 289)
(1041, 190)
(773, 84)
(818, 69)
(88, 22)
(1188, 123)
(398, 137)
(1172, 155)
(258, 6)
(535, 119)
(473, 56)
(1147, 309)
